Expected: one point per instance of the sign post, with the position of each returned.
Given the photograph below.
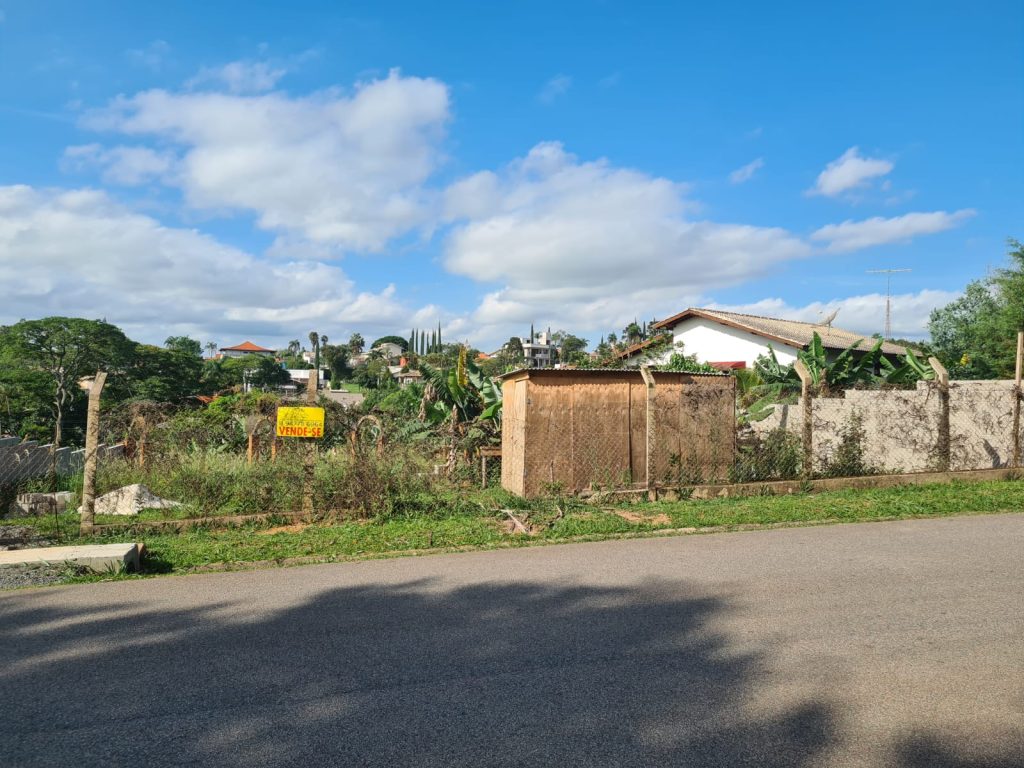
(304, 422)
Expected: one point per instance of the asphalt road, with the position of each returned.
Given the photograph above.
(881, 644)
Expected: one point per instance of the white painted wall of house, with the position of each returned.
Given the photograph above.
(715, 343)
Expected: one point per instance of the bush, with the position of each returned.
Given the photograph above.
(776, 455)
(848, 459)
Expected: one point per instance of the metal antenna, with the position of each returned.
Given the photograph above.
(888, 295)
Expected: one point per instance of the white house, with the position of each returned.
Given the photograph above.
(735, 340)
(390, 350)
(245, 349)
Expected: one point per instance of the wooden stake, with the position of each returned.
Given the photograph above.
(92, 439)
(648, 377)
(1016, 399)
(808, 413)
(309, 463)
(942, 446)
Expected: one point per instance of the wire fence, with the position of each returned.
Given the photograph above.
(579, 438)
(693, 436)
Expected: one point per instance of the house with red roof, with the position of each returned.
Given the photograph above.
(245, 349)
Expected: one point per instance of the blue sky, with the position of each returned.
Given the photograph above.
(257, 170)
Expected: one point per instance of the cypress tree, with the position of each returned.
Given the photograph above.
(438, 335)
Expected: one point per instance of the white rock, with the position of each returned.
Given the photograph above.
(131, 500)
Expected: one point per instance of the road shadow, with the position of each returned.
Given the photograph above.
(517, 675)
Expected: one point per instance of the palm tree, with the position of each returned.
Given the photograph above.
(211, 347)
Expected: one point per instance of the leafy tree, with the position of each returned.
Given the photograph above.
(514, 350)
(975, 335)
(267, 374)
(374, 374)
(65, 349)
(336, 358)
(571, 349)
(184, 344)
(163, 375)
(356, 343)
(632, 333)
(403, 343)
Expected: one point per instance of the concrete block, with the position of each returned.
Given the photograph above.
(101, 558)
(35, 504)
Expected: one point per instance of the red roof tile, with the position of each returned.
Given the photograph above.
(245, 346)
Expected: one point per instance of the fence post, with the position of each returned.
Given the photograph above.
(309, 460)
(648, 377)
(92, 439)
(807, 428)
(1016, 399)
(942, 447)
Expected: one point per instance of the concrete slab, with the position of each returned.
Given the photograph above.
(96, 557)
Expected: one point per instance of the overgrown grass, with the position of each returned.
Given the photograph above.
(460, 520)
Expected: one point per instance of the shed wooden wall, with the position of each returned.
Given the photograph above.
(571, 431)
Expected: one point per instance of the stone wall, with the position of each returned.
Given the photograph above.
(901, 427)
(21, 461)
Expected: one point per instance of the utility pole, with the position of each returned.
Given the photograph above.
(888, 296)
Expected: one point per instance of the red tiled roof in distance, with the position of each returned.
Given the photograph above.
(246, 346)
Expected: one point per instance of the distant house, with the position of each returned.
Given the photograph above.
(736, 340)
(245, 349)
(390, 350)
(409, 377)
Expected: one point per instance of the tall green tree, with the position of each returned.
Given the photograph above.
(65, 350)
(163, 375)
(356, 343)
(185, 345)
(975, 336)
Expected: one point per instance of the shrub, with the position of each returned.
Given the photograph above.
(776, 455)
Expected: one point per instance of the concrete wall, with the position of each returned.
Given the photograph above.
(25, 460)
(901, 427)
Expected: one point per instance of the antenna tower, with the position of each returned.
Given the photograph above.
(888, 295)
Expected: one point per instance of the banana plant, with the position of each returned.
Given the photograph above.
(910, 370)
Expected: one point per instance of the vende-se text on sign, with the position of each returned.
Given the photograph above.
(300, 422)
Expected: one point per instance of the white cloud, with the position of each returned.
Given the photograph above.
(588, 245)
(849, 171)
(240, 76)
(854, 235)
(76, 252)
(746, 173)
(120, 165)
(342, 170)
(555, 87)
(860, 314)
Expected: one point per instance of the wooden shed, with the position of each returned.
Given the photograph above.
(571, 429)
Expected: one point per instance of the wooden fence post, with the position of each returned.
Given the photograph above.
(942, 445)
(807, 428)
(648, 377)
(1016, 399)
(309, 463)
(92, 439)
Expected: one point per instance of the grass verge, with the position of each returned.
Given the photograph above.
(550, 521)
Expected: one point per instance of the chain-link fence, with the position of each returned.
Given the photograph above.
(591, 431)
(564, 432)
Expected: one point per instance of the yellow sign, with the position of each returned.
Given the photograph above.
(300, 422)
